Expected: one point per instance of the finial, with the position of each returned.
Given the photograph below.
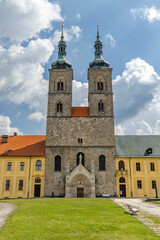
(62, 32)
(98, 31)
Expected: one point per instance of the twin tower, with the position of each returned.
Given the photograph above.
(80, 142)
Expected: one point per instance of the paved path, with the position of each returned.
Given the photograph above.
(5, 210)
(145, 209)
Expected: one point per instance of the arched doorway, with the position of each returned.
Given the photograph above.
(80, 183)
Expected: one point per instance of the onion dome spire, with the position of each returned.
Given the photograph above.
(98, 61)
(61, 62)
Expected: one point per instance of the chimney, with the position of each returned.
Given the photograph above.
(4, 138)
(15, 133)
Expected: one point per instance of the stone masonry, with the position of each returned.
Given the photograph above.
(96, 130)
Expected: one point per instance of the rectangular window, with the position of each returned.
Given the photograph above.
(20, 185)
(7, 185)
(80, 140)
(21, 166)
(152, 166)
(9, 166)
(139, 184)
(153, 184)
(138, 166)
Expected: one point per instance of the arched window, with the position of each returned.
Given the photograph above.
(59, 107)
(37, 180)
(57, 163)
(102, 163)
(100, 85)
(80, 158)
(122, 180)
(100, 106)
(38, 165)
(121, 166)
(60, 85)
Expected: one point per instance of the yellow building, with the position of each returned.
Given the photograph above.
(138, 166)
(22, 166)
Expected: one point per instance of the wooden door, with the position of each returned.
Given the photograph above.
(80, 192)
(122, 190)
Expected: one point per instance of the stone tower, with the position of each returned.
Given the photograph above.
(80, 144)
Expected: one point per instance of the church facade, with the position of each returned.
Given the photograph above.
(80, 141)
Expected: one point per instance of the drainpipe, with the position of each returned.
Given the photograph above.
(29, 177)
(130, 176)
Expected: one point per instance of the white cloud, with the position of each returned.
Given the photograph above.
(80, 93)
(150, 14)
(138, 84)
(37, 116)
(119, 130)
(21, 19)
(111, 40)
(21, 73)
(145, 128)
(78, 16)
(5, 126)
(74, 31)
(137, 98)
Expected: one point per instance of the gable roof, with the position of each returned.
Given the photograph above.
(23, 146)
(136, 146)
(80, 111)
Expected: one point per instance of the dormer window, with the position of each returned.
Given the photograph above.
(100, 106)
(60, 85)
(149, 151)
(100, 85)
(59, 107)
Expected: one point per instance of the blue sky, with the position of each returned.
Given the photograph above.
(29, 35)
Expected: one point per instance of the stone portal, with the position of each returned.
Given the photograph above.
(80, 183)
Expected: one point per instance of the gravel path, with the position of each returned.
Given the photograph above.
(5, 210)
(145, 209)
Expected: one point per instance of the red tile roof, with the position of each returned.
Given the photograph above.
(23, 146)
(80, 111)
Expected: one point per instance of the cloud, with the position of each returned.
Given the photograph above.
(134, 89)
(37, 116)
(111, 40)
(150, 14)
(21, 73)
(5, 126)
(119, 130)
(80, 93)
(78, 16)
(21, 20)
(74, 31)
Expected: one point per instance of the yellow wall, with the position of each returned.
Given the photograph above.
(28, 176)
(30, 173)
(145, 175)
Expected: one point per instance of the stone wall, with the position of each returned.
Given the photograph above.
(105, 181)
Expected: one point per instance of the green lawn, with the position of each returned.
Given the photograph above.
(72, 219)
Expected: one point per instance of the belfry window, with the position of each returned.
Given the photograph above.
(100, 85)
(100, 106)
(60, 85)
(121, 166)
(38, 165)
(80, 158)
(59, 107)
(57, 163)
(102, 163)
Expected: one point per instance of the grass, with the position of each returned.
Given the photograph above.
(72, 219)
